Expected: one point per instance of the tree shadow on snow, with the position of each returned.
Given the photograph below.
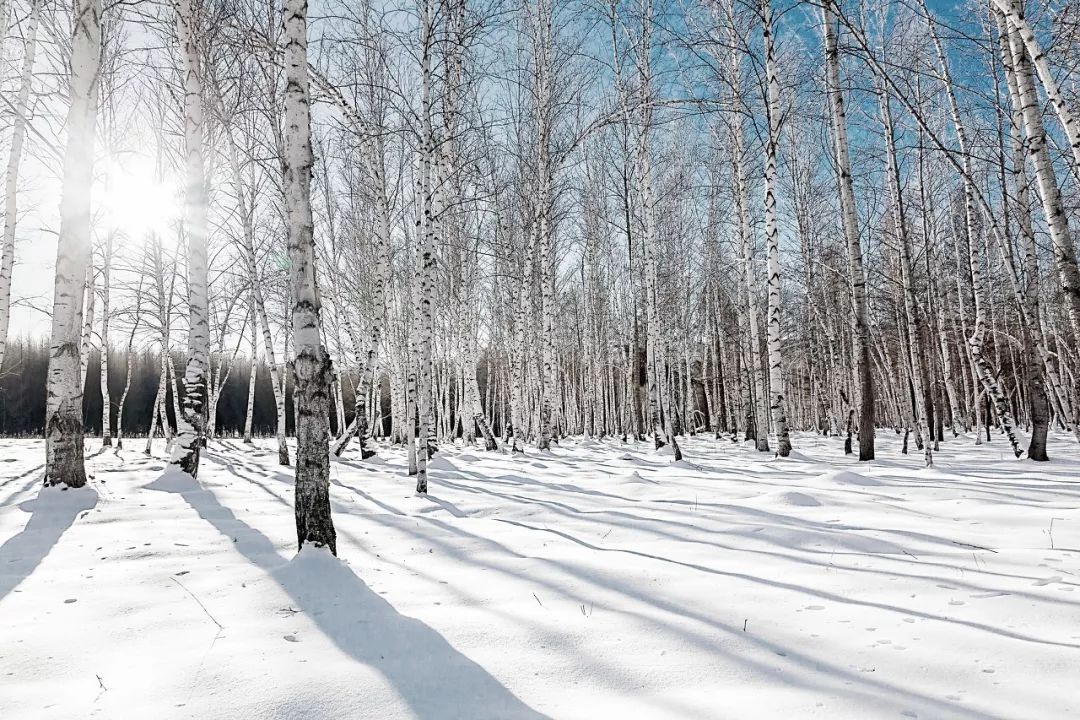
(427, 672)
(821, 674)
(34, 480)
(52, 513)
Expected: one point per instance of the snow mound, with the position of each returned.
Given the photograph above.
(846, 477)
(440, 462)
(790, 498)
(635, 478)
(374, 460)
(315, 561)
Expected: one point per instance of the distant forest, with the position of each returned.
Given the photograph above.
(22, 393)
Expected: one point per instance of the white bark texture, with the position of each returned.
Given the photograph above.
(1013, 10)
(63, 415)
(1053, 208)
(427, 238)
(11, 177)
(191, 422)
(777, 401)
(747, 274)
(252, 375)
(849, 218)
(311, 365)
(103, 370)
(660, 410)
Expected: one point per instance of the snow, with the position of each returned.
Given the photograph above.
(598, 580)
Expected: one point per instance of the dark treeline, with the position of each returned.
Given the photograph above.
(22, 393)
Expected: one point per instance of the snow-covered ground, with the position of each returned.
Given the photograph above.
(598, 581)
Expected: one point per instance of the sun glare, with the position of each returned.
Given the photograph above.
(137, 201)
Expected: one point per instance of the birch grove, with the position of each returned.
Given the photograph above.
(351, 226)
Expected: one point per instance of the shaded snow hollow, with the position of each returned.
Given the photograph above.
(598, 580)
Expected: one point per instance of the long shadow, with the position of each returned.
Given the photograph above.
(837, 534)
(29, 483)
(360, 493)
(633, 522)
(431, 676)
(52, 513)
(823, 594)
(821, 673)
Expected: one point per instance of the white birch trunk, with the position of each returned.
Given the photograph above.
(87, 341)
(857, 273)
(63, 415)
(1053, 209)
(748, 276)
(106, 407)
(427, 238)
(1028, 295)
(1013, 10)
(660, 410)
(11, 177)
(778, 400)
(191, 422)
(311, 366)
(252, 375)
(129, 356)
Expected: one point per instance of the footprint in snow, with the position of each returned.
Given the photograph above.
(291, 638)
(1047, 581)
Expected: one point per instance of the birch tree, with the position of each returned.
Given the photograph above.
(11, 176)
(63, 414)
(849, 217)
(192, 421)
(772, 234)
(311, 364)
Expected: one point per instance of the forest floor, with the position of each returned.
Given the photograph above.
(600, 580)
